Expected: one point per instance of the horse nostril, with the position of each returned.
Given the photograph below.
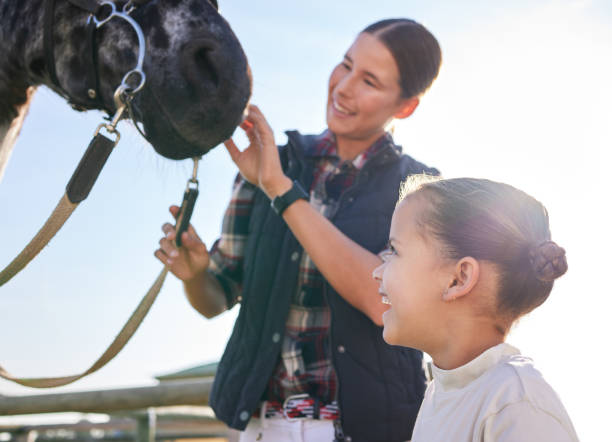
(199, 65)
(205, 66)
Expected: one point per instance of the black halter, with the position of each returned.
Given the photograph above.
(94, 97)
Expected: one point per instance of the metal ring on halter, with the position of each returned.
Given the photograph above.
(124, 15)
(100, 22)
(111, 129)
(129, 7)
(193, 182)
(128, 89)
(124, 93)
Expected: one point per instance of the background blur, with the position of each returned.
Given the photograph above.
(523, 97)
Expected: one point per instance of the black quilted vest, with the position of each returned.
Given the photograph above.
(380, 386)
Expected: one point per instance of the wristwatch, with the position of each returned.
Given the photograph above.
(281, 202)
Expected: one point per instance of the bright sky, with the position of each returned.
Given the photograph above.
(523, 97)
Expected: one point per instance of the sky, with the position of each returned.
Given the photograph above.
(523, 97)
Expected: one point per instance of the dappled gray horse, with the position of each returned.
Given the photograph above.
(197, 76)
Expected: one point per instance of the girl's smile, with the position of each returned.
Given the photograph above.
(412, 278)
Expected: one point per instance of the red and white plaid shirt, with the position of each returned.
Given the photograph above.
(304, 364)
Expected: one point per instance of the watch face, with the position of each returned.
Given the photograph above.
(278, 204)
(281, 202)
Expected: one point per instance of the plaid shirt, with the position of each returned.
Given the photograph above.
(305, 363)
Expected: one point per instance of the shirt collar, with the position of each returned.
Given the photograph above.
(325, 146)
(462, 376)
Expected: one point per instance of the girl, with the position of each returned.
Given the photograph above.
(306, 360)
(467, 258)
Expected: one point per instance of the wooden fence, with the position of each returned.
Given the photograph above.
(143, 414)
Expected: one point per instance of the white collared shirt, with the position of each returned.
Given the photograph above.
(497, 397)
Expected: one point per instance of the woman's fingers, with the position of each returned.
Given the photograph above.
(159, 254)
(264, 131)
(232, 149)
(169, 231)
(193, 233)
(167, 246)
(186, 261)
(194, 244)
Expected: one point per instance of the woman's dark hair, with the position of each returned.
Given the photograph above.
(415, 50)
(497, 223)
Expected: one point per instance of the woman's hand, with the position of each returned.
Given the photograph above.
(259, 163)
(187, 261)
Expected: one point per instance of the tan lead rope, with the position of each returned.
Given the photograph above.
(60, 214)
(115, 347)
(77, 190)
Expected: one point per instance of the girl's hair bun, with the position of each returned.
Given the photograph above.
(548, 261)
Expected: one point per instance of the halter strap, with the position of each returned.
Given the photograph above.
(48, 41)
(94, 96)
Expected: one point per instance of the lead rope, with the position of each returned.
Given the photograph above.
(100, 147)
(85, 176)
(77, 190)
(132, 324)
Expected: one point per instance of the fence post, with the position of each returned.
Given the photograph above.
(145, 430)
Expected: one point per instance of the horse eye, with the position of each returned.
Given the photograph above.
(215, 4)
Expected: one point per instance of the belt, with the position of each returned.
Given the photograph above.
(298, 406)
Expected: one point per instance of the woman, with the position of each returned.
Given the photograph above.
(306, 354)
(467, 258)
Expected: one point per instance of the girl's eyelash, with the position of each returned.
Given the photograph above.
(391, 249)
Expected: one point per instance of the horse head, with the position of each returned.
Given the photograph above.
(197, 83)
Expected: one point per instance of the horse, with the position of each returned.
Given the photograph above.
(174, 67)
(198, 80)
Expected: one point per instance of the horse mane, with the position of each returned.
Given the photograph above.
(10, 131)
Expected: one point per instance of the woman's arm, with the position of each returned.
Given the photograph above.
(345, 264)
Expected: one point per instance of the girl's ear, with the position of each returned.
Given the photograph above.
(465, 277)
(408, 107)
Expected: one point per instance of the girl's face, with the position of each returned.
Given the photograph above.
(364, 92)
(412, 279)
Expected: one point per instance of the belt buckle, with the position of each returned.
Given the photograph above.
(293, 397)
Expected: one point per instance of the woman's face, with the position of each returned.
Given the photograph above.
(364, 92)
(412, 280)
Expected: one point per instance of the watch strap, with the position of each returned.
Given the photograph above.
(281, 202)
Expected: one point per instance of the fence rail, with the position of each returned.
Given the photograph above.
(192, 392)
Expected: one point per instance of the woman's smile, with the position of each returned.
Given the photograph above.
(341, 111)
(363, 91)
